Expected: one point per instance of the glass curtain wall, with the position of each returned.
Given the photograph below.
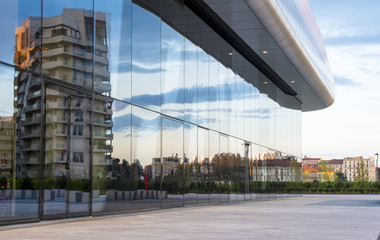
(20, 110)
(143, 110)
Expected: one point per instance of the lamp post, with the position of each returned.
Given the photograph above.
(377, 173)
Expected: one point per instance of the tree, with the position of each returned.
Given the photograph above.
(295, 171)
(361, 172)
(326, 171)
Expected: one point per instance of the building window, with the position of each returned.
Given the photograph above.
(78, 157)
(78, 130)
(58, 32)
(78, 116)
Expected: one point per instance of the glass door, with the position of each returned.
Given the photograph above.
(67, 153)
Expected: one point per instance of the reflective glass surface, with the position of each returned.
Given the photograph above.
(172, 72)
(20, 116)
(149, 110)
(172, 164)
(112, 166)
(224, 178)
(20, 110)
(146, 151)
(146, 58)
(191, 176)
(113, 53)
(202, 167)
(191, 82)
(67, 152)
(214, 167)
(68, 41)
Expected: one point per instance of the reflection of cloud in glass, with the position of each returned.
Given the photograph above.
(191, 97)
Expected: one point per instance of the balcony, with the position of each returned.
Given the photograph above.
(30, 134)
(32, 160)
(33, 120)
(55, 105)
(102, 60)
(35, 82)
(56, 146)
(59, 159)
(56, 133)
(103, 148)
(102, 109)
(55, 119)
(104, 162)
(33, 95)
(33, 107)
(30, 147)
(53, 52)
(104, 123)
(102, 72)
(104, 136)
(102, 87)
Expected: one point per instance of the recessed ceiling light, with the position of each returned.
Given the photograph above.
(265, 82)
(230, 53)
(265, 51)
(292, 81)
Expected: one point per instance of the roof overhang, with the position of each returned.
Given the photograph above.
(264, 28)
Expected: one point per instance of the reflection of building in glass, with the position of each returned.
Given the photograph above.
(67, 55)
(28, 94)
(167, 168)
(7, 140)
(277, 170)
(82, 149)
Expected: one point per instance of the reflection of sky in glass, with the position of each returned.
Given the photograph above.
(6, 85)
(170, 74)
(12, 14)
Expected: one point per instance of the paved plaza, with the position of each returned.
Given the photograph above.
(307, 217)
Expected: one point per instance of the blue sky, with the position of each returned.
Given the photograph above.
(351, 126)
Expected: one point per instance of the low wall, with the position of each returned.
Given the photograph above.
(113, 195)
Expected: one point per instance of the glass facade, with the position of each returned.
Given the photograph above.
(131, 106)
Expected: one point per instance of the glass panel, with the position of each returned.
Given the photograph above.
(111, 156)
(172, 72)
(191, 164)
(146, 157)
(240, 107)
(224, 98)
(246, 159)
(21, 29)
(203, 95)
(233, 170)
(68, 46)
(146, 58)
(19, 144)
(262, 172)
(113, 57)
(232, 86)
(202, 166)
(223, 169)
(214, 167)
(67, 152)
(253, 186)
(172, 167)
(240, 168)
(213, 93)
(191, 82)
(247, 111)
(20, 111)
